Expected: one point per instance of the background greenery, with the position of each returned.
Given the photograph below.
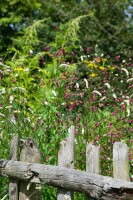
(66, 64)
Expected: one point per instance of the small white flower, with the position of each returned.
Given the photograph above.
(45, 103)
(30, 52)
(108, 85)
(116, 74)
(1, 134)
(77, 85)
(121, 81)
(30, 110)
(3, 91)
(114, 95)
(11, 98)
(5, 197)
(83, 131)
(9, 107)
(8, 67)
(123, 61)
(16, 75)
(76, 141)
(125, 70)
(19, 88)
(86, 82)
(127, 102)
(17, 111)
(129, 80)
(64, 65)
(97, 92)
(103, 98)
(54, 93)
(26, 70)
(7, 70)
(102, 55)
(82, 58)
(2, 115)
(28, 186)
(27, 119)
(128, 112)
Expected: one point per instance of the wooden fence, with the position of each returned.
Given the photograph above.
(27, 174)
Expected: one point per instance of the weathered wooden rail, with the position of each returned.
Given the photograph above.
(27, 173)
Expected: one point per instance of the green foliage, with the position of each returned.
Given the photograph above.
(49, 80)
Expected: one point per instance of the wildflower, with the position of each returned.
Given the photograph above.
(7, 70)
(30, 110)
(127, 102)
(93, 75)
(103, 98)
(45, 103)
(97, 59)
(54, 93)
(47, 48)
(19, 88)
(26, 70)
(11, 99)
(71, 103)
(117, 57)
(108, 85)
(83, 131)
(114, 95)
(125, 70)
(63, 52)
(86, 82)
(82, 58)
(129, 80)
(77, 85)
(97, 92)
(2, 115)
(111, 68)
(3, 91)
(123, 61)
(19, 69)
(102, 68)
(92, 64)
(30, 52)
(128, 112)
(64, 65)
(73, 54)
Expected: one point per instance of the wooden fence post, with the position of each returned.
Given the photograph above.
(120, 161)
(31, 154)
(66, 159)
(13, 184)
(92, 160)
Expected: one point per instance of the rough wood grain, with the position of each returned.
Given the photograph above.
(29, 153)
(66, 159)
(120, 161)
(13, 184)
(92, 160)
(97, 186)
